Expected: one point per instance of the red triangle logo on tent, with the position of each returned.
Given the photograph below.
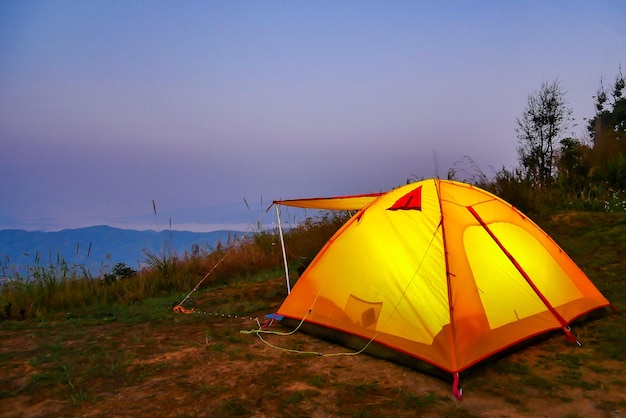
(410, 201)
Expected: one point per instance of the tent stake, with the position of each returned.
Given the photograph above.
(282, 245)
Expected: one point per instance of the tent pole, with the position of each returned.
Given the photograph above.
(282, 245)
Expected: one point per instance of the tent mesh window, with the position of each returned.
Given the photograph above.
(363, 312)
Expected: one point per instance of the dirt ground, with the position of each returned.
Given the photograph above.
(196, 380)
(203, 366)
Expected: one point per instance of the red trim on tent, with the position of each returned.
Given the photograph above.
(287, 202)
(519, 268)
(456, 388)
(410, 201)
(528, 337)
(333, 197)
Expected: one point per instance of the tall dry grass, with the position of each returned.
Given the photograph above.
(61, 286)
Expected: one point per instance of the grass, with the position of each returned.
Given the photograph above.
(597, 242)
(118, 356)
(56, 286)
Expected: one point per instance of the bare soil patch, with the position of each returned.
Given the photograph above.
(201, 365)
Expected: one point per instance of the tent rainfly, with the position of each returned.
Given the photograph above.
(436, 272)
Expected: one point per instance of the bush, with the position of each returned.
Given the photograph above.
(119, 271)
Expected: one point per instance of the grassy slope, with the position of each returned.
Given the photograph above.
(141, 359)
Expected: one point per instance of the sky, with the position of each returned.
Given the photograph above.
(213, 109)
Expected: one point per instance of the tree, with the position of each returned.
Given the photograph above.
(608, 131)
(120, 271)
(610, 114)
(573, 163)
(544, 120)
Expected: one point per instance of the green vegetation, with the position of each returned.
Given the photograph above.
(112, 345)
(52, 288)
(138, 357)
(559, 173)
(576, 177)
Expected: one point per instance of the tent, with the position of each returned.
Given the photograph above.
(436, 272)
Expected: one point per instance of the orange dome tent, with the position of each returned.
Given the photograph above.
(440, 272)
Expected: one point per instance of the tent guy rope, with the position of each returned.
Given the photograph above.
(436, 272)
(180, 308)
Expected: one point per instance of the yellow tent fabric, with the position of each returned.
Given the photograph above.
(332, 203)
(444, 272)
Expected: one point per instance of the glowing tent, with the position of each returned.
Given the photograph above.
(440, 272)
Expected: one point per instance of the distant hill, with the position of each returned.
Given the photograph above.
(98, 248)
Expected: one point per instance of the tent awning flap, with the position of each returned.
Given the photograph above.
(355, 202)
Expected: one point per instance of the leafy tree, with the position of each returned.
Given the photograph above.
(610, 117)
(608, 131)
(544, 120)
(120, 271)
(573, 163)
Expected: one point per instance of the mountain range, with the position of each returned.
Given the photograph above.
(98, 248)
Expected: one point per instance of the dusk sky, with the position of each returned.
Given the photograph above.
(106, 106)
